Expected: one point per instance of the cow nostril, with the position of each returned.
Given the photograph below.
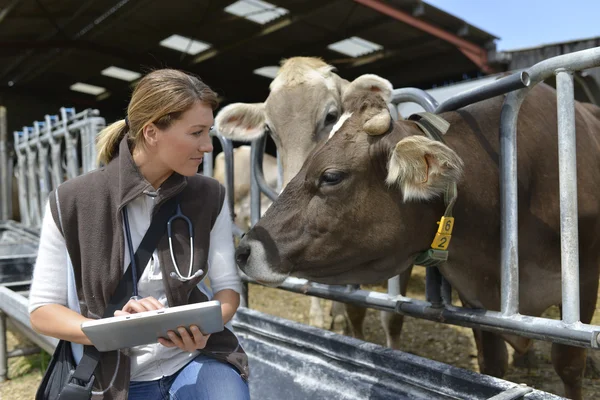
(241, 255)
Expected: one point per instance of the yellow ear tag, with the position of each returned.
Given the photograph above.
(444, 234)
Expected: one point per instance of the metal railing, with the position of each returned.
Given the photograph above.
(41, 149)
(568, 331)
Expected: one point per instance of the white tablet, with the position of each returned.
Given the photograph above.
(143, 328)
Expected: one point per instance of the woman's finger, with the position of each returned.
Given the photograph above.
(119, 313)
(188, 342)
(200, 339)
(157, 303)
(175, 339)
(133, 306)
(166, 342)
(149, 305)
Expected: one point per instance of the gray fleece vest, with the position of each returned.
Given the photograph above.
(87, 210)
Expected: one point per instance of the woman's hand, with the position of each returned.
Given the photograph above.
(184, 341)
(136, 306)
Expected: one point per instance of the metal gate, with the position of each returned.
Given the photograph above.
(50, 152)
(567, 331)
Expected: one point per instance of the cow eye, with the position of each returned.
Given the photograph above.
(331, 178)
(331, 117)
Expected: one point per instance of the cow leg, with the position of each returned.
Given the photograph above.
(392, 322)
(569, 361)
(315, 314)
(356, 317)
(492, 355)
(347, 319)
(524, 356)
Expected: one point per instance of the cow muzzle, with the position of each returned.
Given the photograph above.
(260, 260)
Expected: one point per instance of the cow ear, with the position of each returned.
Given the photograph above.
(377, 122)
(368, 83)
(423, 168)
(241, 121)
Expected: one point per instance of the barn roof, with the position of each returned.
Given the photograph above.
(47, 46)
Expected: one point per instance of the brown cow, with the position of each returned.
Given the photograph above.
(304, 104)
(366, 202)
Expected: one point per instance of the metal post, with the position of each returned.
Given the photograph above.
(3, 349)
(70, 141)
(56, 175)
(9, 185)
(567, 168)
(254, 188)
(207, 164)
(22, 179)
(5, 195)
(43, 172)
(227, 146)
(509, 254)
(32, 192)
(279, 173)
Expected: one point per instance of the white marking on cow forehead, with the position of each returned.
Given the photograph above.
(339, 124)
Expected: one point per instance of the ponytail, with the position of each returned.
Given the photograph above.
(108, 141)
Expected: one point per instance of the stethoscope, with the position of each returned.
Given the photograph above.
(177, 274)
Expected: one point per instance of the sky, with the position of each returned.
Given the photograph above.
(528, 23)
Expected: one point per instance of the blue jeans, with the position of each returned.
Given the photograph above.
(204, 378)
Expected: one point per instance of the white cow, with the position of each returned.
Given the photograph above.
(241, 182)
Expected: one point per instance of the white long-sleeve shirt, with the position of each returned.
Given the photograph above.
(53, 281)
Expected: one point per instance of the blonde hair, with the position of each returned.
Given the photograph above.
(160, 97)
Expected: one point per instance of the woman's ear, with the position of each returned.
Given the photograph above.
(150, 133)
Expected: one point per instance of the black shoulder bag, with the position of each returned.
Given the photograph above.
(63, 379)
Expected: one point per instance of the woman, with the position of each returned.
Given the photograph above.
(150, 156)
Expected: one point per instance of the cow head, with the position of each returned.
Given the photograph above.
(304, 104)
(362, 207)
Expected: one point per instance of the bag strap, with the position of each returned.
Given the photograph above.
(157, 229)
(91, 356)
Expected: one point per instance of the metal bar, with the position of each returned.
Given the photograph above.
(414, 95)
(509, 240)
(22, 181)
(581, 335)
(279, 173)
(514, 393)
(43, 167)
(3, 348)
(5, 195)
(227, 146)
(433, 284)
(10, 188)
(32, 191)
(15, 307)
(518, 80)
(71, 143)
(24, 352)
(254, 188)
(575, 61)
(446, 291)
(207, 164)
(257, 160)
(567, 168)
